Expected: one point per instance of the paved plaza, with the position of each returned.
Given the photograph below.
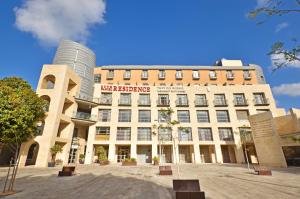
(116, 182)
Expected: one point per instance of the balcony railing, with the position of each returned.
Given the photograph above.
(144, 102)
(202, 102)
(164, 137)
(186, 138)
(240, 102)
(123, 137)
(261, 102)
(144, 137)
(182, 102)
(124, 102)
(163, 102)
(105, 101)
(220, 103)
(86, 98)
(84, 116)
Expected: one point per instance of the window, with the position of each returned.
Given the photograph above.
(102, 130)
(260, 99)
(182, 100)
(185, 134)
(230, 75)
(144, 74)
(245, 135)
(203, 116)
(178, 74)
(106, 98)
(226, 134)
(183, 116)
(164, 134)
(125, 99)
(223, 116)
(200, 100)
(97, 78)
(110, 74)
(104, 115)
(247, 75)
(144, 100)
(144, 116)
(163, 100)
(161, 74)
(127, 74)
(124, 115)
(163, 117)
(196, 74)
(220, 100)
(205, 134)
(239, 99)
(123, 133)
(242, 115)
(212, 74)
(144, 134)
(262, 110)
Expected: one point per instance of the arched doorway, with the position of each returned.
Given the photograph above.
(32, 154)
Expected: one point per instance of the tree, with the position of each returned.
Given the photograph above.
(20, 110)
(55, 149)
(285, 56)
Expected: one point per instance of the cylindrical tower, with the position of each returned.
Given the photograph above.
(82, 60)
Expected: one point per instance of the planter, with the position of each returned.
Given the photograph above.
(155, 162)
(51, 164)
(81, 161)
(187, 189)
(127, 163)
(103, 162)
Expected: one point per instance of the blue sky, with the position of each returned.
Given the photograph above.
(194, 32)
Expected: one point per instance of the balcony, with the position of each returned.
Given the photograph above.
(182, 103)
(83, 118)
(87, 100)
(220, 103)
(105, 101)
(201, 103)
(144, 102)
(240, 102)
(124, 102)
(261, 102)
(163, 102)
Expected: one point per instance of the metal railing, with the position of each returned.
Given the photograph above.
(84, 116)
(86, 98)
(243, 102)
(105, 101)
(182, 102)
(126, 102)
(220, 102)
(144, 102)
(203, 102)
(262, 101)
(163, 102)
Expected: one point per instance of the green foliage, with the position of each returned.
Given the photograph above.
(101, 153)
(55, 149)
(132, 159)
(81, 156)
(20, 109)
(155, 158)
(295, 138)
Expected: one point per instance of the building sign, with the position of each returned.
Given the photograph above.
(170, 89)
(138, 89)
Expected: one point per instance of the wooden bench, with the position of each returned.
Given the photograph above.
(188, 189)
(262, 170)
(67, 171)
(165, 170)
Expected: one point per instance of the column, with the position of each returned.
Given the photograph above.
(133, 151)
(197, 154)
(111, 153)
(219, 156)
(154, 150)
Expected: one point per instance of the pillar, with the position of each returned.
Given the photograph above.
(219, 156)
(197, 154)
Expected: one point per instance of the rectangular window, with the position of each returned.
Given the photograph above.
(144, 100)
(104, 115)
(183, 116)
(161, 74)
(185, 134)
(247, 75)
(239, 99)
(144, 74)
(223, 116)
(242, 115)
(200, 100)
(205, 134)
(144, 116)
(182, 100)
(229, 75)
(127, 74)
(220, 100)
(124, 133)
(125, 99)
(97, 78)
(203, 116)
(124, 115)
(163, 100)
(245, 135)
(226, 134)
(212, 74)
(144, 134)
(102, 130)
(196, 74)
(106, 98)
(179, 74)
(260, 99)
(163, 117)
(262, 110)
(110, 74)
(164, 134)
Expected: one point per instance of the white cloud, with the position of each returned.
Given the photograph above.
(287, 89)
(281, 26)
(52, 20)
(278, 59)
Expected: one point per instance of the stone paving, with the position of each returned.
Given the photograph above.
(117, 182)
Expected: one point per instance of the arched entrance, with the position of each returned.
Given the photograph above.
(32, 154)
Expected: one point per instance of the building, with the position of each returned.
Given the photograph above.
(118, 107)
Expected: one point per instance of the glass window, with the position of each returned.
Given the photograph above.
(239, 99)
(102, 130)
(223, 116)
(97, 78)
(245, 135)
(185, 134)
(242, 115)
(205, 134)
(226, 134)
(196, 74)
(144, 134)
(260, 99)
(123, 133)
(163, 117)
(144, 74)
(203, 116)
(212, 74)
(127, 74)
(220, 99)
(124, 115)
(183, 116)
(200, 100)
(179, 74)
(144, 116)
(104, 115)
(161, 74)
(164, 134)
(262, 110)
(247, 74)
(106, 98)
(182, 100)
(163, 99)
(230, 74)
(125, 99)
(144, 99)
(110, 74)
